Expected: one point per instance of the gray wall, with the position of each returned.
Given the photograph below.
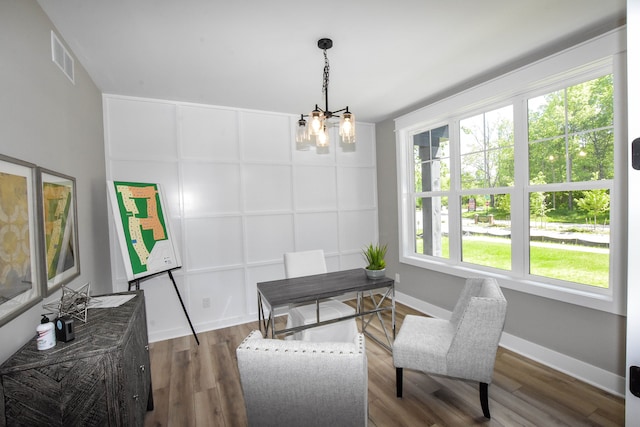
(46, 120)
(592, 336)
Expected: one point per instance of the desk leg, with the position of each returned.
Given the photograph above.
(260, 319)
(377, 309)
(393, 309)
(263, 322)
(377, 305)
(359, 309)
(272, 320)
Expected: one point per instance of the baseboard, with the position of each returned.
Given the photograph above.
(168, 334)
(590, 374)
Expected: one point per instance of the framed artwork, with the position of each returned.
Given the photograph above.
(58, 222)
(20, 276)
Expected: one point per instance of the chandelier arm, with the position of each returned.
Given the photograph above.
(345, 109)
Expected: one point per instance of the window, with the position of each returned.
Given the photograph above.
(432, 166)
(571, 142)
(486, 163)
(515, 179)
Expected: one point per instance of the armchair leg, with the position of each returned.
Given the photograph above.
(484, 399)
(399, 382)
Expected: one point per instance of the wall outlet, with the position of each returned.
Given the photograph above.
(397, 277)
(206, 302)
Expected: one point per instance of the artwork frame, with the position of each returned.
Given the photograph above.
(20, 263)
(58, 224)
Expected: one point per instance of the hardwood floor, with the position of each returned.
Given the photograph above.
(199, 386)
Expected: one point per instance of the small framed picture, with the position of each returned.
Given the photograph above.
(20, 276)
(58, 218)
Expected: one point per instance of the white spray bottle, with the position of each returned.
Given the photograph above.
(46, 334)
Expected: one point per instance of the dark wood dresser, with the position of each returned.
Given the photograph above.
(102, 377)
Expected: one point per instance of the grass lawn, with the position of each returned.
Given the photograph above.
(571, 265)
(556, 261)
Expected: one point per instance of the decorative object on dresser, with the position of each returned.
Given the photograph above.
(72, 303)
(102, 377)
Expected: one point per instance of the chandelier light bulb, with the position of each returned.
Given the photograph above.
(316, 122)
(302, 132)
(322, 139)
(347, 128)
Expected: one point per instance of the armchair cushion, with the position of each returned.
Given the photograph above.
(422, 344)
(302, 383)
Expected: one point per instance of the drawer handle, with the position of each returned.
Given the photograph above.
(136, 397)
(142, 368)
(146, 347)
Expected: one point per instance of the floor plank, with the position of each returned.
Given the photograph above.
(198, 386)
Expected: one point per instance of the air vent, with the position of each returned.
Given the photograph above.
(60, 55)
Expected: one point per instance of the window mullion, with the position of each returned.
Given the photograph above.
(519, 199)
(455, 222)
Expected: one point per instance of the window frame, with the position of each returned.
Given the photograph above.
(596, 57)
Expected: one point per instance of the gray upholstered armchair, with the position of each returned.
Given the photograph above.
(302, 383)
(464, 346)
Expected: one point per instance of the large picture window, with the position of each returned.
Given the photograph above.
(520, 186)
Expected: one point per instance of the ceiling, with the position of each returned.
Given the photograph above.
(388, 56)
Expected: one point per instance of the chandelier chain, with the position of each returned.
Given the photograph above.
(325, 75)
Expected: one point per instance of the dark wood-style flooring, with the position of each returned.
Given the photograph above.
(199, 386)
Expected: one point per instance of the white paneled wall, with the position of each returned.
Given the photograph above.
(239, 195)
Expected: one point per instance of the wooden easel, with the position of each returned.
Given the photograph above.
(137, 281)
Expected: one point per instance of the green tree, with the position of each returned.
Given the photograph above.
(488, 140)
(571, 132)
(503, 202)
(538, 200)
(594, 202)
(590, 120)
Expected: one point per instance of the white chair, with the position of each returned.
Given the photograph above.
(308, 263)
(464, 346)
(297, 383)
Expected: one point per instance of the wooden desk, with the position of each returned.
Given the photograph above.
(313, 289)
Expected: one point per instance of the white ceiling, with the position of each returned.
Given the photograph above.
(259, 54)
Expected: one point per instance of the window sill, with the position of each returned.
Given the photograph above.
(605, 300)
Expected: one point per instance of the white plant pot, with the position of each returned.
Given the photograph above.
(375, 274)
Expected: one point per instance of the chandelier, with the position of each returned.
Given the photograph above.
(315, 129)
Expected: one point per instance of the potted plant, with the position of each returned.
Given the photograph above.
(374, 256)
